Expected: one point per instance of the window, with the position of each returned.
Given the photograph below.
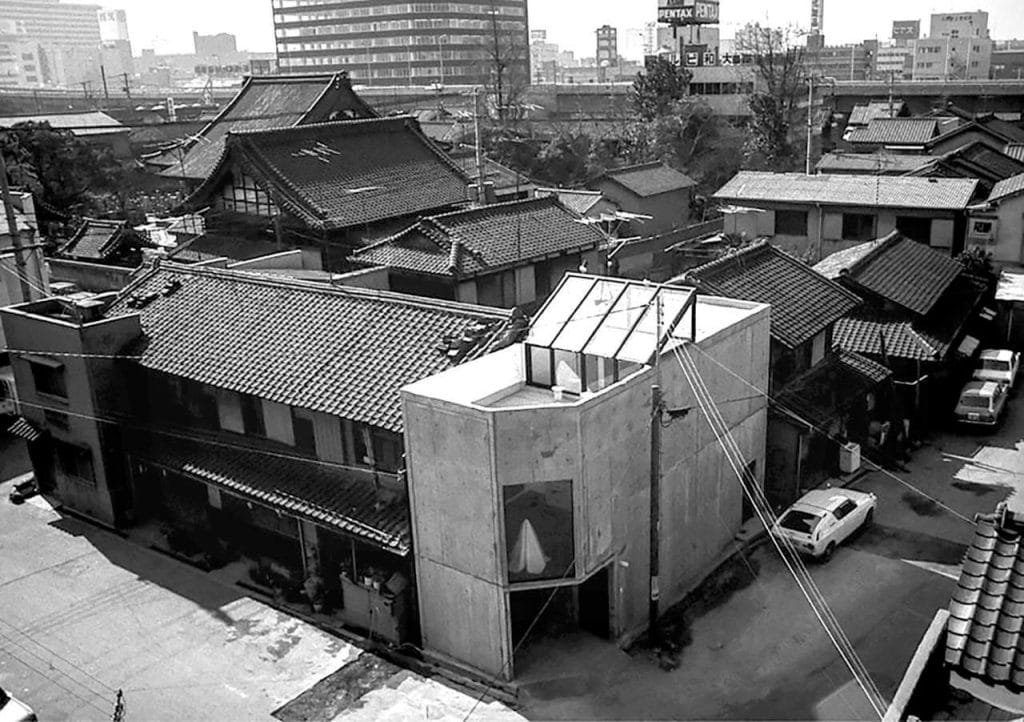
(74, 462)
(252, 415)
(845, 509)
(791, 223)
(982, 227)
(917, 229)
(858, 227)
(387, 452)
(48, 376)
(818, 347)
(305, 433)
(539, 540)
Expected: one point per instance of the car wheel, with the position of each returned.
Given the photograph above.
(830, 549)
(869, 519)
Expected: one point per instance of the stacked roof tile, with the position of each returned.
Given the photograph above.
(261, 104)
(341, 351)
(338, 175)
(803, 302)
(984, 633)
(650, 179)
(483, 239)
(311, 489)
(755, 187)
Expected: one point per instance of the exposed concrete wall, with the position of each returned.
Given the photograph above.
(94, 277)
(275, 261)
(667, 210)
(1009, 246)
(375, 278)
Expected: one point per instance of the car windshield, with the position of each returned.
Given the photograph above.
(991, 364)
(798, 520)
(975, 402)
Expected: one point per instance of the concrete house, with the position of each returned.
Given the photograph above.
(233, 415)
(815, 216)
(815, 387)
(263, 102)
(508, 254)
(326, 187)
(530, 468)
(651, 189)
(997, 225)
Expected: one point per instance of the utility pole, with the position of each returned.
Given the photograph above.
(127, 87)
(499, 69)
(106, 90)
(481, 194)
(12, 225)
(810, 114)
(892, 79)
(653, 632)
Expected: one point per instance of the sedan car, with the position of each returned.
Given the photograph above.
(981, 403)
(999, 365)
(11, 710)
(822, 519)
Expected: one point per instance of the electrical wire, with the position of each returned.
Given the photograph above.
(787, 552)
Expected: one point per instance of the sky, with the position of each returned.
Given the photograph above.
(168, 26)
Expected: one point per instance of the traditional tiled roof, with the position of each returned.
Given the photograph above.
(1015, 151)
(95, 240)
(576, 200)
(338, 350)
(483, 239)
(984, 631)
(803, 302)
(650, 179)
(319, 492)
(753, 187)
(865, 113)
(836, 264)
(905, 272)
(337, 175)
(1009, 187)
(975, 160)
(829, 388)
(277, 101)
(870, 163)
(81, 124)
(891, 334)
(895, 131)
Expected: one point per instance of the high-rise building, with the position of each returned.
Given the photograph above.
(221, 44)
(957, 48)
(67, 35)
(116, 53)
(386, 42)
(607, 45)
(113, 25)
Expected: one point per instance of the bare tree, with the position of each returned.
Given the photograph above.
(775, 104)
(508, 57)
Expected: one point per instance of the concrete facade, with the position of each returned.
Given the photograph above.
(999, 229)
(472, 432)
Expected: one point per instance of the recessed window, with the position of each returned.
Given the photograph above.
(858, 227)
(252, 415)
(539, 541)
(305, 433)
(48, 376)
(791, 223)
(74, 462)
(917, 229)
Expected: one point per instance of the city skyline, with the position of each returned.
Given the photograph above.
(843, 23)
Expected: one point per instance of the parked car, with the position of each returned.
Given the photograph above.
(822, 519)
(998, 364)
(8, 393)
(11, 710)
(23, 490)
(981, 403)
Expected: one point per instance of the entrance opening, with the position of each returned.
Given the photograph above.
(594, 605)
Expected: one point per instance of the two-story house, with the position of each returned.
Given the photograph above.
(506, 254)
(997, 224)
(813, 216)
(819, 394)
(244, 415)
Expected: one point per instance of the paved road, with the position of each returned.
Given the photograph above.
(762, 655)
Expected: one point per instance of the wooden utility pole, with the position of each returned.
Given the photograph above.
(654, 603)
(12, 225)
(481, 193)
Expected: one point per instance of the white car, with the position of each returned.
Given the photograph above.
(822, 519)
(11, 710)
(999, 365)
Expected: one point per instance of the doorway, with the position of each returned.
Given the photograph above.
(594, 607)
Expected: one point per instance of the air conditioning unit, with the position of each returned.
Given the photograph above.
(849, 458)
(981, 231)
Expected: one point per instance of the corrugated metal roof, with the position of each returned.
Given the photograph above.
(84, 124)
(753, 187)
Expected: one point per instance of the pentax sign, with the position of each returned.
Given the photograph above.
(688, 12)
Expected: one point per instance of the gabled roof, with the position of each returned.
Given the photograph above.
(264, 102)
(895, 131)
(483, 239)
(866, 112)
(1009, 187)
(902, 271)
(870, 163)
(95, 240)
(974, 160)
(984, 636)
(649, 179)
(93, 122)
(342, 174)
(753, 187)
(998, 130)
(577, 200)
(836, 264)
(804, 303)
(338, 350)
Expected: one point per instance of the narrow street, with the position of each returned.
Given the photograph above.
(761, 654)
